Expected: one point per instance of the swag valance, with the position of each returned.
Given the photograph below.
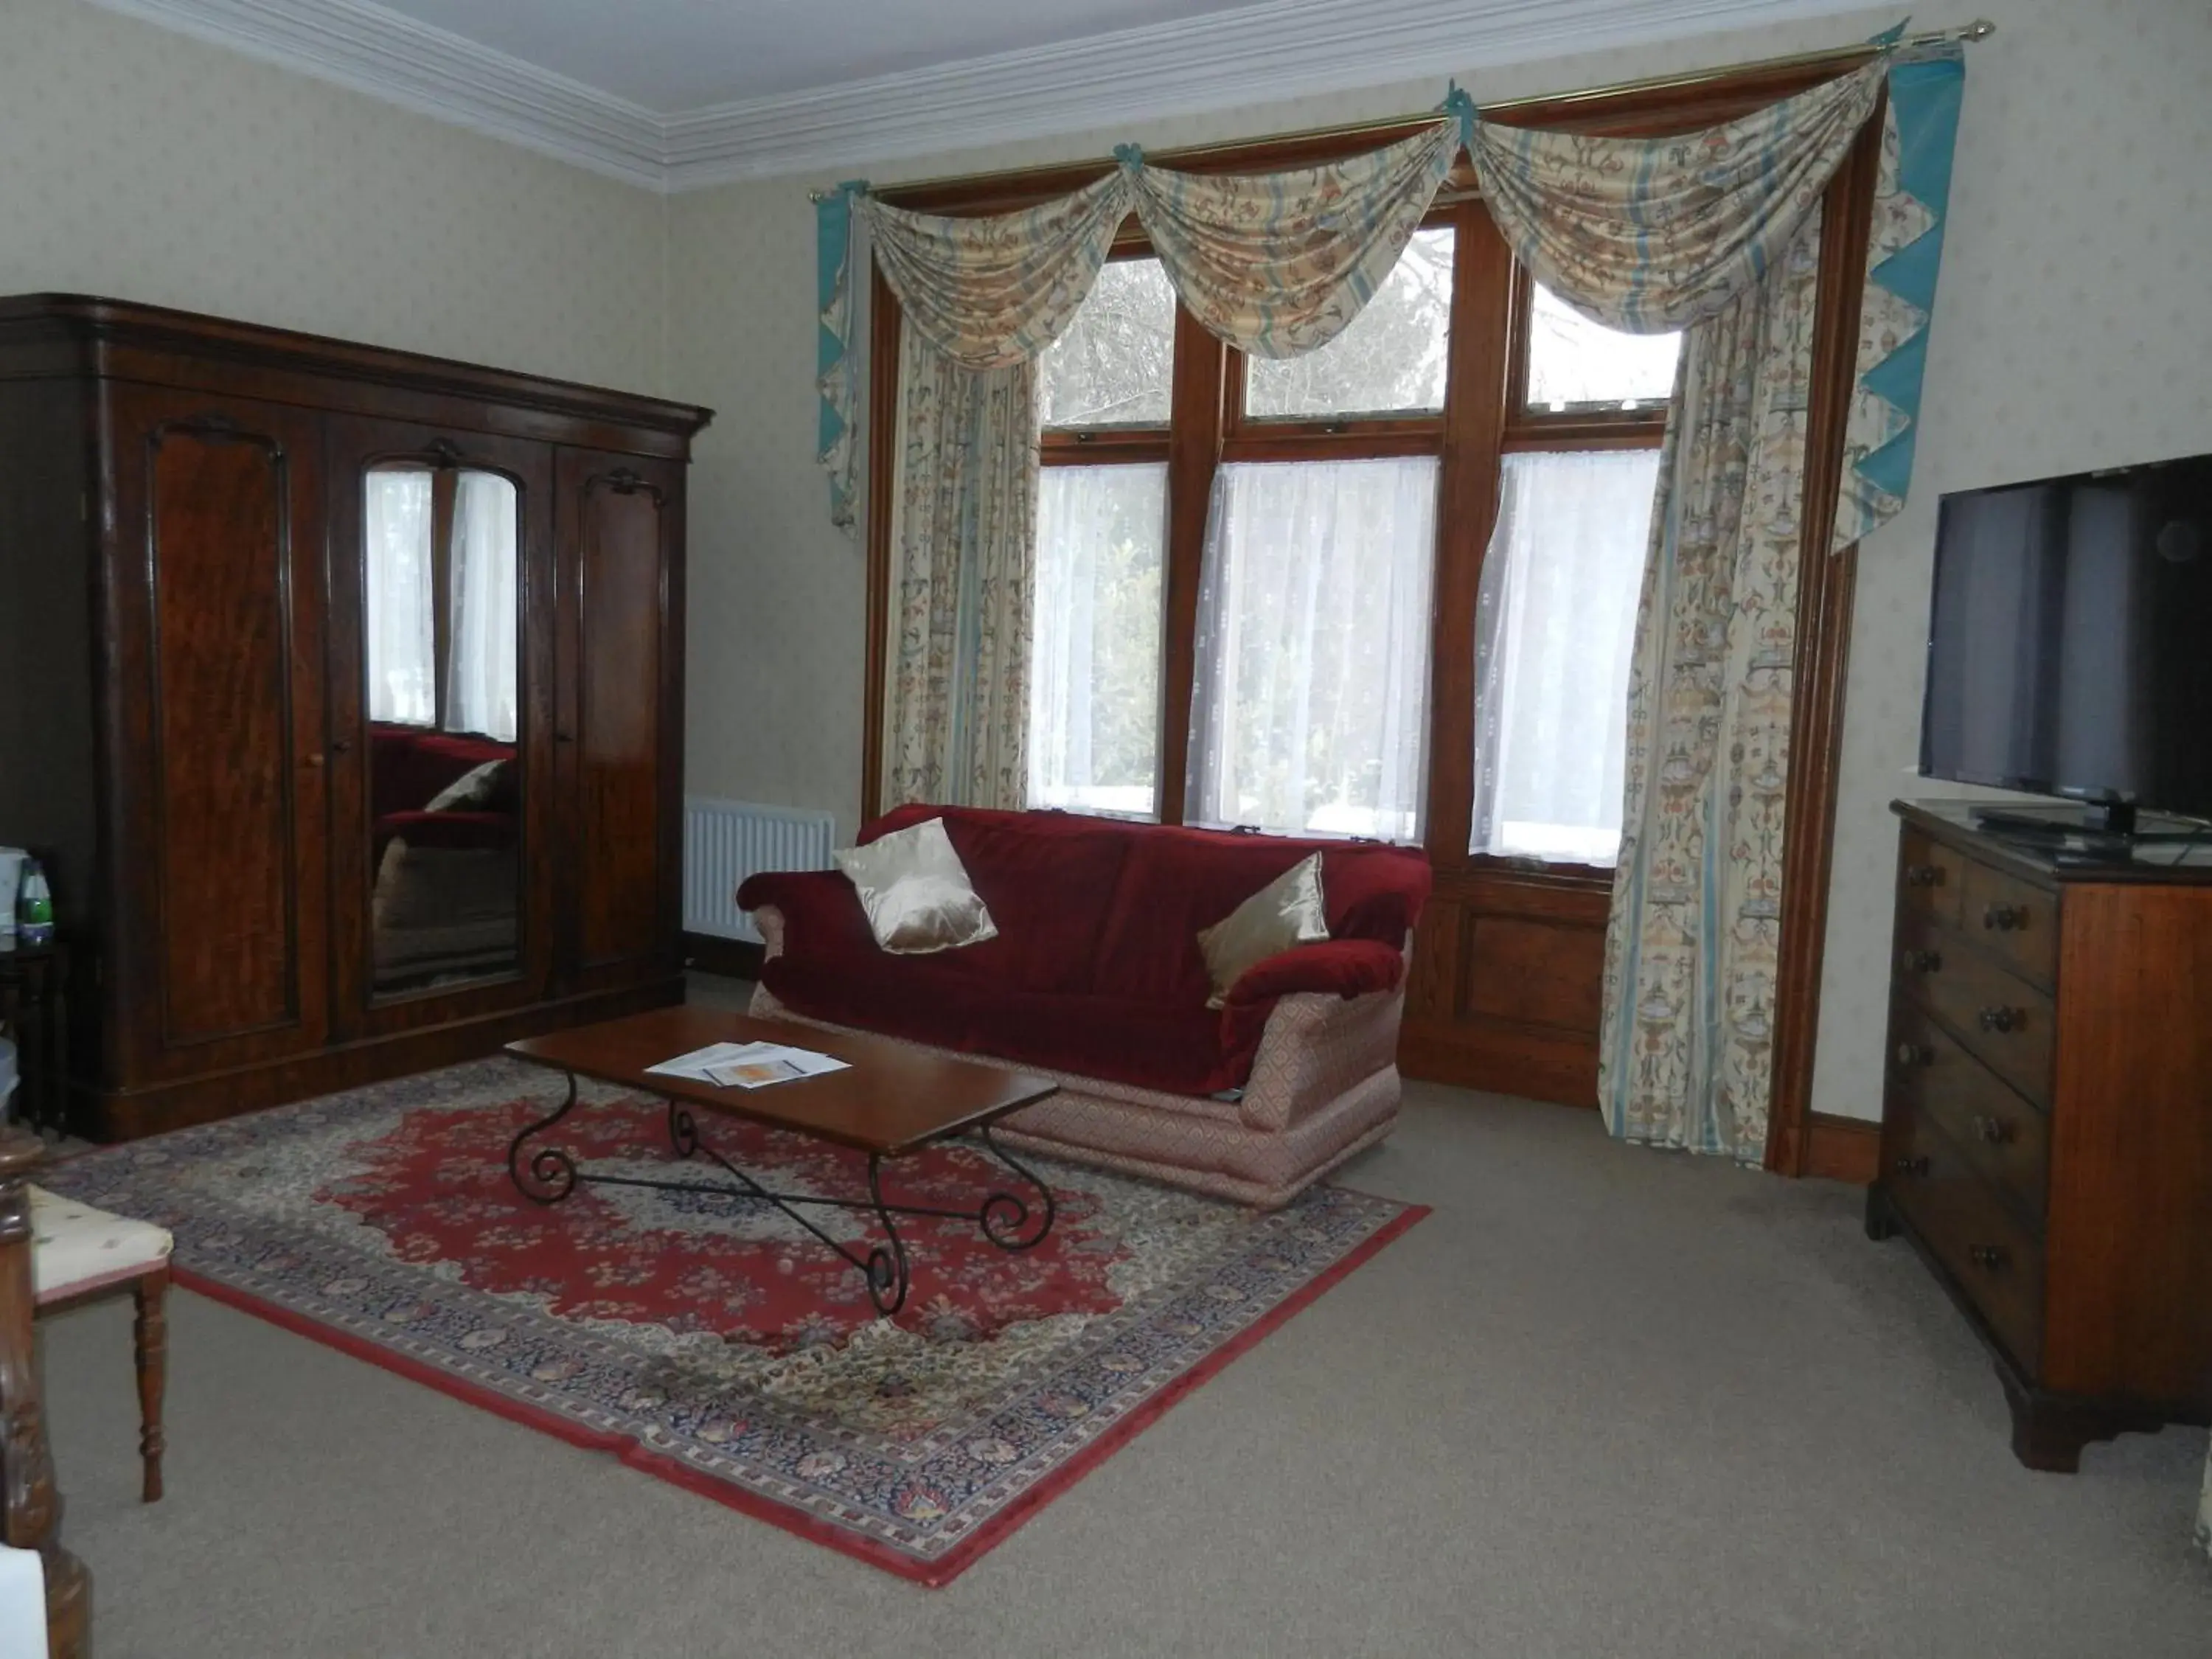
(1641, 234)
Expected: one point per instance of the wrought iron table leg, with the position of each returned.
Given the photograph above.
(1005, 1218)
(551, 1173)
(889, 1276)
(683, 1133)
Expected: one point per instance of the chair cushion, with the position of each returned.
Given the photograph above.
(75, 1247)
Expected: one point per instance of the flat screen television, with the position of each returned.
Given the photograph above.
(2069, 650)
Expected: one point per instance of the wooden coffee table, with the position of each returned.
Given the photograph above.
(889, 1101)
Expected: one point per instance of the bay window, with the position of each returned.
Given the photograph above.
(1270, 663)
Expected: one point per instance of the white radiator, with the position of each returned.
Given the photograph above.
(726, 840)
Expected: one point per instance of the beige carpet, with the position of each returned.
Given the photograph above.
(1604, 1403)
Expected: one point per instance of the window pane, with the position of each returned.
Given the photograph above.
(1554, 628)
(1391, 359)
(1113, 365)
(400, 628)
(1575, 364)
(1095, 660)
(1313, 647)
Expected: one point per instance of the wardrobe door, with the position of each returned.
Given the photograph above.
(216, 767)
(442, 790)
(619, 739)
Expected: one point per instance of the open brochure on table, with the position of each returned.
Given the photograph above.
(748, 1065)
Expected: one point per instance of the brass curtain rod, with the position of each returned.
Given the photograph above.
(1980, 29)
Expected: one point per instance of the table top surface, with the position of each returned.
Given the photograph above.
(889, 1098)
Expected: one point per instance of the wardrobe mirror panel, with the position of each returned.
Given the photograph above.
(441, 597)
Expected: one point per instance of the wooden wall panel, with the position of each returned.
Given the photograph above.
(1503, 990)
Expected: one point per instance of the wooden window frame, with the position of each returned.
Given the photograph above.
(1483, 419)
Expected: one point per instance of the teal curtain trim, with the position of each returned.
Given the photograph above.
(833, 309)
(1460, 106)
(1925, 92)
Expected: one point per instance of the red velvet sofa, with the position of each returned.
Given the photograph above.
(1096, 979)
(445, 902)
(409, 767)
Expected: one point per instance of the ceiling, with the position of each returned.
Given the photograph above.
(678, 94)
(670, 55)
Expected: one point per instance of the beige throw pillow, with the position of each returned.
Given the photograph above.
(1287, 911)
(916, 891)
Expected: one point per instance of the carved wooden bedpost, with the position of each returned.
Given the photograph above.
(30, 1508)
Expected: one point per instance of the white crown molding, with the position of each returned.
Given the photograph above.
(1219, 61)
(374, 49)
(1224, 60)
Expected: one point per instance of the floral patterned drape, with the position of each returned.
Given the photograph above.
(1684, 1059)
(1277, 263)
(1651, 235)
(989, 292)
(956, 723)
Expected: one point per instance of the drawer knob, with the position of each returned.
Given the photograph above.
(1923, 875)
(1916, 1165)
(1994, 1130)
(1915, 1054)
(2001, 1020)
(1922, 961)
(1990, 1256)
(2005, 917)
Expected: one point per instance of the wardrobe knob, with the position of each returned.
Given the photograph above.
(1994, 1130)
(1912, 1166)
(2005, 917)
(1923, 875)
(1915, 1054)
(1921, 961)
(1990, 1256)
(2001, 1020)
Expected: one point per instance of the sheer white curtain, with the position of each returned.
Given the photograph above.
(480, 686)
(396, 573)
(1095, 639)
(1555, 628)
(1310, 708)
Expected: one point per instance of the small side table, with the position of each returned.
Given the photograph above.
(34, 1014)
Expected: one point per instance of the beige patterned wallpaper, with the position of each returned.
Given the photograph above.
(145, 166)
(2072, 331)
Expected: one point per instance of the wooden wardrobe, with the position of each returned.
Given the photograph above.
(341, 690)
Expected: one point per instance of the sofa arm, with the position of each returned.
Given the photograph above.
(814, 913)
(1316, 1049)
(1345, 967)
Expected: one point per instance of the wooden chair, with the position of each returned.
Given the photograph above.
(81, 1255)
(30, 1509)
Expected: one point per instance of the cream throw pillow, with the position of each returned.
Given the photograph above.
(916, 891)
(1287, 911)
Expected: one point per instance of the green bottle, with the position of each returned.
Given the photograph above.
(34, 906)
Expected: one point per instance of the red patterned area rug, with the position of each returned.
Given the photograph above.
(716, 1344)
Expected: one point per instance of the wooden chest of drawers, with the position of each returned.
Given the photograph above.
(2047, 1118)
